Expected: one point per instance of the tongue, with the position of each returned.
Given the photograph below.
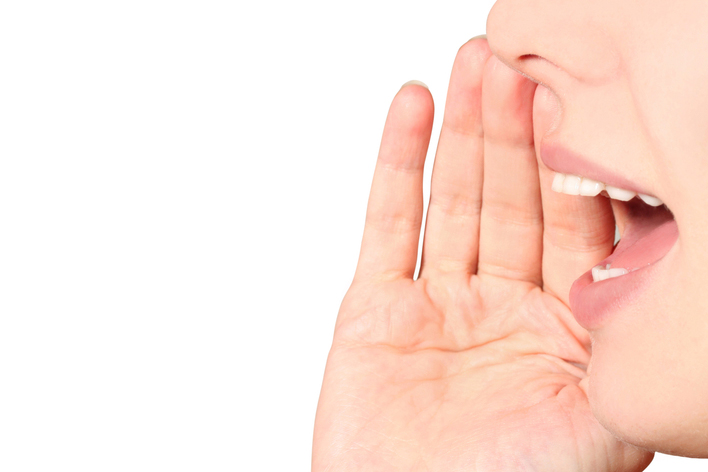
(649, 234)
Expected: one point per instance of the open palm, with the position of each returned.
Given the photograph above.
(478, 364)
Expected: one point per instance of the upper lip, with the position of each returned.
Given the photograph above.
(565, 161)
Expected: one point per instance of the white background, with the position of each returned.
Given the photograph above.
(182, 192)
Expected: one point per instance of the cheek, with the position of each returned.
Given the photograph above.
(670, 97)
(649, 368)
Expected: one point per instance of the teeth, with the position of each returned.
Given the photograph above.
(558, 182)
(591, 188)
(620, 193)
(649, 200)
(571, 185)
(600, 273)
(576, 185)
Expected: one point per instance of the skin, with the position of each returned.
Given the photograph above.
(477, 364)
(624, 84)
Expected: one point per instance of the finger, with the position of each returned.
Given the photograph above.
(511, 218)
(389, 248)
(578, 231)
(452, 225)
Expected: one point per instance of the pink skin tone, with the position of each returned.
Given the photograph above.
(477, 363)
(624, 86)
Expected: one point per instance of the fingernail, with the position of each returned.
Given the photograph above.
(479, 36)
(415, 82)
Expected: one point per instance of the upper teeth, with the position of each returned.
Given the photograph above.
(575, 185)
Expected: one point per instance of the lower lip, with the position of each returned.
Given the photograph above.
(593, 302)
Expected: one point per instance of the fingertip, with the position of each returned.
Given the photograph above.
(414, 93)
(413, 106)
(546, 112)
(415, 82)
(507, 103)
(463, 108)
(476, 50)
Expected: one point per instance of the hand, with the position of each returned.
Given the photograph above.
(478, 364)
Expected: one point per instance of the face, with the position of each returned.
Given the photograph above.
(625, 94)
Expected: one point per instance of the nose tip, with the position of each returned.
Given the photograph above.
(517, 31)
(571, 39)
(503, 35)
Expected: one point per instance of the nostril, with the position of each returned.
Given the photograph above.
(535, 59)
(539, 69)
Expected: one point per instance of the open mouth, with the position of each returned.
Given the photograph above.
(648, 232)
(647, 235)
(647, 226)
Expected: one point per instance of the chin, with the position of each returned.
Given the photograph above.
(640, 403)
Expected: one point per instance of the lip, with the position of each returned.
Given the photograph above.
(642, 250)
(643, 253)
(592, 303)
(559, 159)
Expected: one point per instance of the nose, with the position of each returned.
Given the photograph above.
(555, 41)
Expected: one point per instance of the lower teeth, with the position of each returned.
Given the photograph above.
(600, 273)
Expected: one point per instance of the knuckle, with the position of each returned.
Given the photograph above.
(509, 213)
(396, 223)
(456, 205)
